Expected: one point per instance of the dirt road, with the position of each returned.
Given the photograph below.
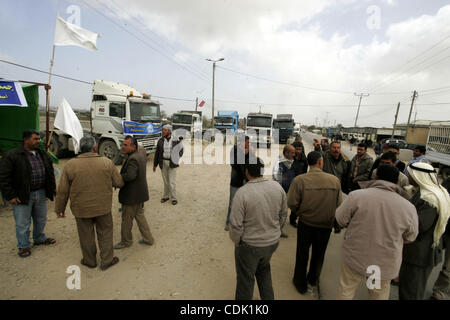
(193, 257)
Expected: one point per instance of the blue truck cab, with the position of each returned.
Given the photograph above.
(227, 120)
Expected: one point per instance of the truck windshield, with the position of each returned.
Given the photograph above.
(259, 122)
(283, 124)
(182, 118)
(144, 111)
(223, 121)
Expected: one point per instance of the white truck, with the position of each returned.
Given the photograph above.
(259, 127)
(438, 147)
(117, 110)
(191, 121)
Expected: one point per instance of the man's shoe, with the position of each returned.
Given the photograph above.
(227, 227)
(300, 290)
(121, 245)
(284, 235)
(142, 241)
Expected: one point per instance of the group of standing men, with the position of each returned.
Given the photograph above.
(390, 234)
(27, 179)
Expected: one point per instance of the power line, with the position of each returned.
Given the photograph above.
(285, 82)
(226, 101)
(147, 44)
(168, 45)
(46, 72)
(169, 98)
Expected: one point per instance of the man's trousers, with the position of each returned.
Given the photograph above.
(104, 228)
(130, 212)
(169, 176)
(308, 236)
(253, 262)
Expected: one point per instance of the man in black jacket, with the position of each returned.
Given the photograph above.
(27, 179)
(239, 157)
(169, 150)
(300, 166)
(133, 194)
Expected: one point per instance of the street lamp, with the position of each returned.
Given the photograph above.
(214, 72)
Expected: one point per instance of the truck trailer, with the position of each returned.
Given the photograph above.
(438, 147)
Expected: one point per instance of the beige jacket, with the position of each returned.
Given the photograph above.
(314, 197)
(88, 181)
(379, 221)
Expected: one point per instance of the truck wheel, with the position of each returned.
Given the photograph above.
(445, 172)
(55, 147)
(108, 149)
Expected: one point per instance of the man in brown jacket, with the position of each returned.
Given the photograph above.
(88, 181)
(314, 196)
(379, 220)
(133, 194)
(335, 163)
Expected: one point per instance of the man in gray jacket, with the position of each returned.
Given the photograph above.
(379, 220)
(258, 214)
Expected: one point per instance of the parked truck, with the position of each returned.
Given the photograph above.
(227, 121)
(117, 110)
(285, 125)
(259, 128)
(438, 148)
(191, 121)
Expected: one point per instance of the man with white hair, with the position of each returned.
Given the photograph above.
(432, 203)
(169, 150)
(88, 180)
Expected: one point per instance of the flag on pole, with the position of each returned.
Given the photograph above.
(67, 121)
(68, 34)
(11, 94)
(202, 103)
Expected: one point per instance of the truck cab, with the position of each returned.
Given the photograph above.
(189, 121)
(227, 121)
(259, 128)
(115, 109)
(285, 125)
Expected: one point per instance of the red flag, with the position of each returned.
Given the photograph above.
(202, 103)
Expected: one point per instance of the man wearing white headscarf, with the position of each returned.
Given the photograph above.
(441, 289)
(169, 150)
(432, 203)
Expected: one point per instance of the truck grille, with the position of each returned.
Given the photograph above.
(149, 142)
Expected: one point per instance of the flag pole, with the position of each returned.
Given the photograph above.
(47, 96)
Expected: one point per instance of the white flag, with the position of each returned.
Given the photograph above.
(67, 121)
(68, 34)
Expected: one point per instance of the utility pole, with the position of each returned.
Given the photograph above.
(395, 121)
(415, 94)
(196, 104)
(361, 95)
(214, 72)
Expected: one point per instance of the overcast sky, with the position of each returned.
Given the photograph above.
(317, 53)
